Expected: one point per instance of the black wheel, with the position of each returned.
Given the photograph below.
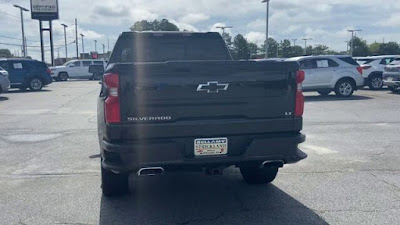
(256, 175)
(324, 93)
(96, 76)
(375, 82)
(114, 184)
(35, 84)
(393, 89)
(345, 88)
(63, 76)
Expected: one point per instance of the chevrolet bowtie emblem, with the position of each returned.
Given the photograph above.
(212, 87)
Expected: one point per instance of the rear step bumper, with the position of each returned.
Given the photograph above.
(179, 153)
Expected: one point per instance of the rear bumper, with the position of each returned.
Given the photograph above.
(179, 153)
(392, 83)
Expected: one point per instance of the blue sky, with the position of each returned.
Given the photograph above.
(326, 21)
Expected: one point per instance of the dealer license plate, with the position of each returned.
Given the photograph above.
(389, 79)
(210, 146)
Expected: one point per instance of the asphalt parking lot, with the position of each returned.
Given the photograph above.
(49, 168)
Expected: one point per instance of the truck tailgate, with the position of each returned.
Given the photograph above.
(179, 92)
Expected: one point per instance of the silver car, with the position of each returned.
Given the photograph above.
(391, 75)
(4, 81)
(324, 74)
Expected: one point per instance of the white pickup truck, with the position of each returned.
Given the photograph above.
(76, 69)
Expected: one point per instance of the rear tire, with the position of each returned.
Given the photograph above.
(257, 175)
(345, 88)
(96, 76)
(35, 84)
(393, 89)
(114, 184)
(63, 76)
(375, 82)
(324, 93)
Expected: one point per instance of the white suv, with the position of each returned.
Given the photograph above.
(76, 69)
(373, 67)
(324, 74)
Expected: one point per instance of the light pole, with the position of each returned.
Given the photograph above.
(83, 47)
(65, 40)
(104, 49)
(223, 28)
(266, 31)
(352, 40)
(294, 41)
(305, 44)
(22, 9)
(95, 45)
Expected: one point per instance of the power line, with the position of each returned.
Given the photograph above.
(17, 18)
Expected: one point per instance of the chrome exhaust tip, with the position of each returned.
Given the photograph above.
(151, 171)
(276, 163)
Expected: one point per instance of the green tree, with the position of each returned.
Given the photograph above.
(309, 50)
(390, 48)
(253, 49)
(156, 25)
(360, 47)
(285, 49)
(228, 40)
(320, 50)
(272, 47)
(241, 48)
(5, 53)
(297, 51)
(374, 48)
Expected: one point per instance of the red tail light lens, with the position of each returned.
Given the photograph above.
(299, 110)
(49, 70)
(112, 104)
(361, 68)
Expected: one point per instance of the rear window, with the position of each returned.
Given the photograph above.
(87, 63)
(169, 47)
(98, 63)
(349, 60)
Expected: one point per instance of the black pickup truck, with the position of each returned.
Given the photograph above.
(177, 101)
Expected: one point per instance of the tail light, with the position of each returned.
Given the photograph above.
(49, 70)
(112, 103)
(365, 67)
(299, 110)
(361, 68)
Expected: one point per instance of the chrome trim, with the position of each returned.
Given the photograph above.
(150, 168)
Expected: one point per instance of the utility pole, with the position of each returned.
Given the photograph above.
(347, 46)
(83, 47)
(22, 10)
(76, 38)
(95, 45)
(267, 29)
(305, 44)
(65, 40)
(108, 45)
(104, 49)
(352, 40)
(294, 41)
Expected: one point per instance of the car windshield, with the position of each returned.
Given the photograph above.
(199, 112)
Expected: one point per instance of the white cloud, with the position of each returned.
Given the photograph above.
(194, 18)
(255, 37)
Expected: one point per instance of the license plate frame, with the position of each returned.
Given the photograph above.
(211, 146)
